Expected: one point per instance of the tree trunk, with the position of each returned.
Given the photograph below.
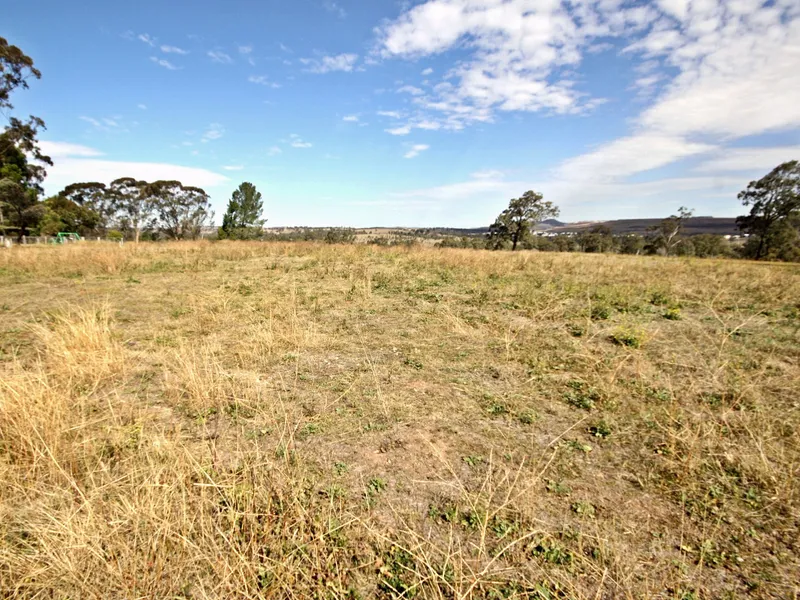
(760, 246)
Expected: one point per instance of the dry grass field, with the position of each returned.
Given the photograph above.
(251, 420)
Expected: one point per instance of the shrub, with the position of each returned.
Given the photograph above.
(627, 336)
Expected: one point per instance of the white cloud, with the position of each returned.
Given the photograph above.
(334, 8)
(488, 174)
(515, 51)
(490, 191)
(295, 141)
(213, 132)
(174, 50)
(274, 151)
(141, 106)
(263, 80)
(426, 124)
(660, 196)
(415, 150)
(749, 159)
(247, 53)
(646, 84)
(351, 119)
(389, 113)
(598, 48)
(233, 167)
(737, 61)
(220, 57)
(738, 75)
(164, 63)
(326, 64)
(410, 89)
(722, 69)
(628, 156)
(404, 130)
(105, 124)
(475, 188)
(427, 72)
(147, 39)
(76, 163)
(62, 149)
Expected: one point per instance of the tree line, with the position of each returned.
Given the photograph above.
(126, 206)
(772, 227)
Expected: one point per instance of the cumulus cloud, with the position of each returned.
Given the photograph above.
(734, 65)
(389, 113)
(351, 119)
(326, 64)
(404, 130)
(415, 150)
(410, 89)
(516, 51)
(712, 71)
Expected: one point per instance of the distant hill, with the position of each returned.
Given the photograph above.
(693, 226)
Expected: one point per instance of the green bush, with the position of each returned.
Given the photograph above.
(627, 336)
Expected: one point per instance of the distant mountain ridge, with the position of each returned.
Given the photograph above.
(693, 226)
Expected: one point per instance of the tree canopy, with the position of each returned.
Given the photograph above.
(242, 218)
(516, 221)
(667, 234)
(774, 219)
(181, 211)
(19, 137)
(20, 178)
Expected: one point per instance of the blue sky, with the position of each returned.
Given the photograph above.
(423, 113)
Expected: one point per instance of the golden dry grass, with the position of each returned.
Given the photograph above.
(249, 420)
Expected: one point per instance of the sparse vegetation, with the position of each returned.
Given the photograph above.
(296, 420)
